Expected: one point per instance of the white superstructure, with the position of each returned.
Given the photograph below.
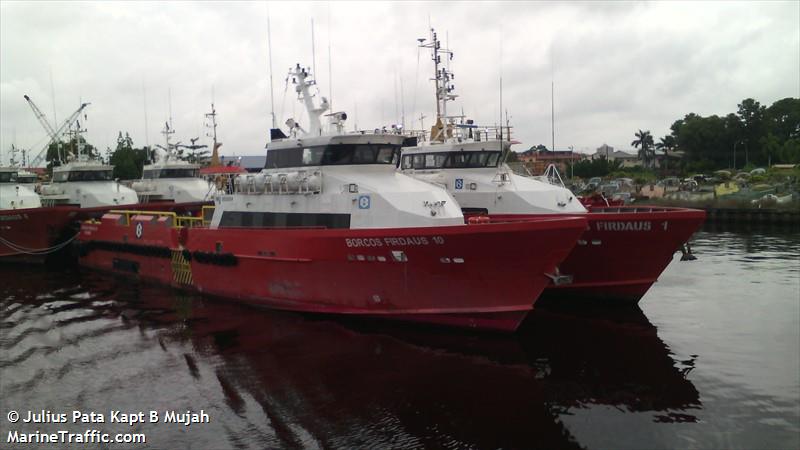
(16, 195)
(468, 161)
(86, 182)
(332, 179)
(169, 178)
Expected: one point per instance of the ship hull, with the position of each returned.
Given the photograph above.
(483, 276)
(622, 252)
(27, 235)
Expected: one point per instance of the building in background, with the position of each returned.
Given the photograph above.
(536, 159)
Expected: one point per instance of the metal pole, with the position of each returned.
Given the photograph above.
(734, 154)
(571, 162)
(746, 157)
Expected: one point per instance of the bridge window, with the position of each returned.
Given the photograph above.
(333, 155)
(450, 160)
(8, 177)
(179, 173)
(90, 175)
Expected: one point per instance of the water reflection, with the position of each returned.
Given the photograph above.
(272, 379)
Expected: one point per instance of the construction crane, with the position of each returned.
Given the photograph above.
(54, 134)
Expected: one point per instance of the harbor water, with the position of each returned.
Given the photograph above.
(710, 359)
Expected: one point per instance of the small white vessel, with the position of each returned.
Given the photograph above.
(86, 182)
(469, 161)
(170, 179)
(13, 193)
(332, 179)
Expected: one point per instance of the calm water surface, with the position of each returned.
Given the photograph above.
(711, 360)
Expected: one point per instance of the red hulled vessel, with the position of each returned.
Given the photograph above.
(485, 276)
(621, 253)
(31, 234)
(330, 227)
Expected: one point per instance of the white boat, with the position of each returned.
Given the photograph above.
(621, 252)
(86, 182)
(469, 161)
(334, 179)
(15, 194)
(168, 178)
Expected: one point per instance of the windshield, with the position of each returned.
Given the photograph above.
(84, 175)
(333, 155)
(27, 178)
(8, 177)
(171, 173)
(450, 160)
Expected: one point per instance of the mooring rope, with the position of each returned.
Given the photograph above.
(38, 252)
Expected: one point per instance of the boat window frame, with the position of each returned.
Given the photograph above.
(445, 160)
(77, 175)
(169, 172)
(12, 177)
(333, 155)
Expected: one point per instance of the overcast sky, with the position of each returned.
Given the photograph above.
(617, 67)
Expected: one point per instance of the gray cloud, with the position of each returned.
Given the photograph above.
(617, 67)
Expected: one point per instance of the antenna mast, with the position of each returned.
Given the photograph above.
(442, 77)
(215, 152)
(313, 52)
(271, 90)
(146, 133)
(552, 116)
(330, 76)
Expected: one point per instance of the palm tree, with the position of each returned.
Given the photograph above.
(644, 140)
(667, 144)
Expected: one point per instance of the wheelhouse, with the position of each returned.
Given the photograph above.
(104, 174)
(171, 172)
(8, 176)
(338, 154)
(451, 160)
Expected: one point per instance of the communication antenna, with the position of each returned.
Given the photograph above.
(212, 116)
(396, 103)
(271, 90)
(552, 104)
(313, 53)
(144, 97)
(355, 116)
(169, 100)
(402, 105)
(330, 76)
(500, 67)
(552, 116)
(442, 76)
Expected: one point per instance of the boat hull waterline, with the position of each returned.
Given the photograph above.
(26, 234)
(622, 251)
(485, 276)
(31, 235)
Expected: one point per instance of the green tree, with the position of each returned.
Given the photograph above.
(128, 161)
(644, 141)
(598, 167)
(666, 144)
(195, 153)
(751, 114)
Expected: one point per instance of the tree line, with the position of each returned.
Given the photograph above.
(755, 135)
